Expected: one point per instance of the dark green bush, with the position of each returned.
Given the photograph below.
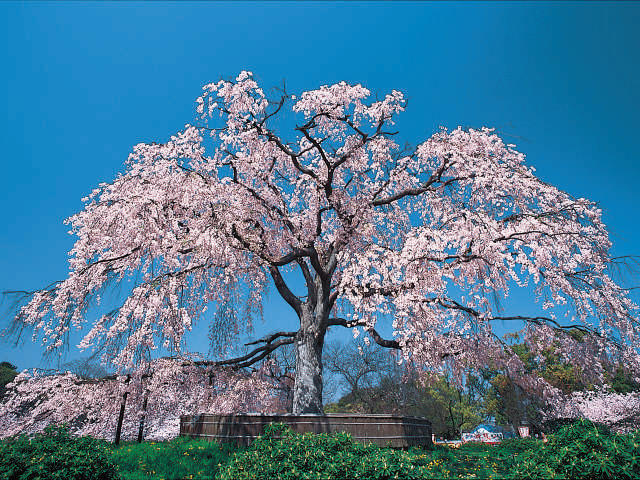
(555, 424)
(55, 455)
(285, 455)
(583, 450)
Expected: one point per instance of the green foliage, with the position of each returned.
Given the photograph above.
(579, 450)
(622, 382)
(583, 450)
(555, 424)
(516, 446)
(449, 407)
(285, 455)
(179, 458)
(55, 455)
(7, 373)
(346, 404)
(479, 460)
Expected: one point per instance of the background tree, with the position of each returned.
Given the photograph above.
(509, 403)
(453, 408)
(375, 383)
(618, 411)
(361, 369)
(621, 381)
(423, 238)
(8, 372)
(155, 399)
(87, 367)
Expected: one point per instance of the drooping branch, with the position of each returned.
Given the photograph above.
(271, 337)
(247, 360)
(107, 260)
(383, 342)
(537, 320)
(284, 290)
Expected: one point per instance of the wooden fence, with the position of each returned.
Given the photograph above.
(381, 429)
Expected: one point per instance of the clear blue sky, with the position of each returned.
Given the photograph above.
(83, 82)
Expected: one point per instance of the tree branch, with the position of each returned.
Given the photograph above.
(435, 177)
(342, 322)
(270, 338)
(537, 320)
(284, 290)
(249, 359)
(311, 288)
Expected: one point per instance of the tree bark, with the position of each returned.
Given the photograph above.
(121, 415)
(307, 390)
(142, 417)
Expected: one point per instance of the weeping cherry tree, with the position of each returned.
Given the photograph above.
(407, 246)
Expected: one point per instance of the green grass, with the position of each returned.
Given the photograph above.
(180, 458)
(475, 460)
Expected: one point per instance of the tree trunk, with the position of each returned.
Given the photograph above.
(142, 417)
(121, 415)
(121, 418)
(307, 390)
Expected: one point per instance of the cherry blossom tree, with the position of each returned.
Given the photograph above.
(419, 239)
(619, 411)
(151, 400)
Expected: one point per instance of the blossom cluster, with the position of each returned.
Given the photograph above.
(619, 411)
(91, 406)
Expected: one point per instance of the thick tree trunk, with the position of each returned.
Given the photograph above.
(307, 390)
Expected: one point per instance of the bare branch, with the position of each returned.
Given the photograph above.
(284, 290)
(270, 338)
(245, 360)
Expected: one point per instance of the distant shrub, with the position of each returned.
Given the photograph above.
(55, 455)
(555, 424)
(285, 455)
(583, 450)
